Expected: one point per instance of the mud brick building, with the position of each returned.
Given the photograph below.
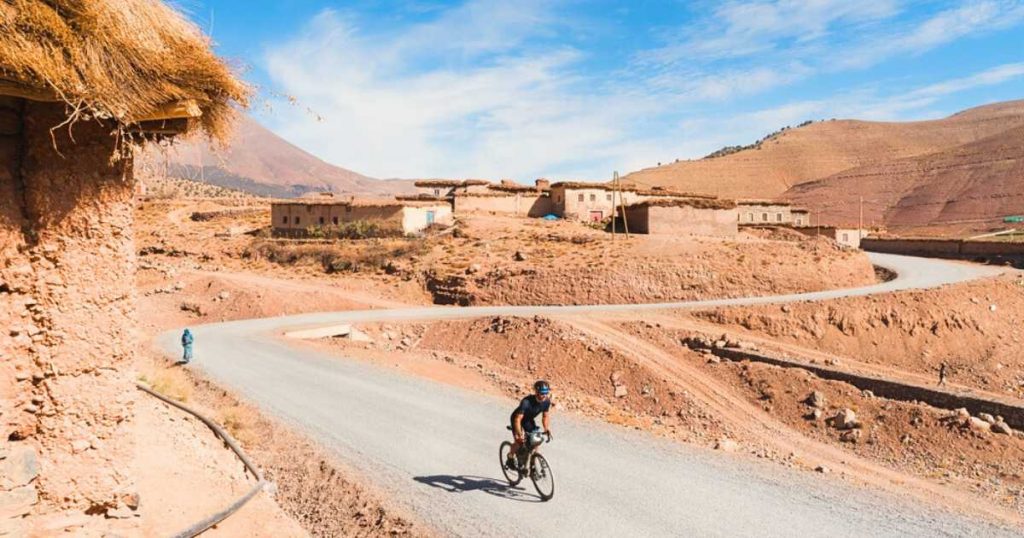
(764, 212)
(297, 218)
(80, 89)
(682, 216)
(446, 188)
(506, 198)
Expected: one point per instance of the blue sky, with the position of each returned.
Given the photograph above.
(574, 89)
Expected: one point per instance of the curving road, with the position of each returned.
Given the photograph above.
(433, 447)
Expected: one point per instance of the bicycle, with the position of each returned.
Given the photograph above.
(530, 463)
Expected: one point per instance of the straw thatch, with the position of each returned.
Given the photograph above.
(128, 60)
(696, 203)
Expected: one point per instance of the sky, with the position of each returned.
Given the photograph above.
(578, 89)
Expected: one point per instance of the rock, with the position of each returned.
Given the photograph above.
(822, 469)
(845, 419)
(519, 256)
(786, 308)
(405, 342)
(867, 394)
(813, 415)
(20, 467)
(961, 413)
(473, 269)
(80, 445)
(987, 418)
(18, 501)
(978, 425)
(621, 391)
(991, 308)
(727, 445)
(223, 296)
(30, 408)
(850, 436)
(178, 286)
(120, 512)
(616, 376)
(720, 344)
(1002, 427)
(713, 359)
(815, 399)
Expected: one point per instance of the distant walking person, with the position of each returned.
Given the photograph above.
(942, 374)
(186, 343)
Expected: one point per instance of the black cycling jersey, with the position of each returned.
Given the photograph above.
(530, 407)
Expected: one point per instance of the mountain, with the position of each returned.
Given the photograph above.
(259, 162)
(966, 188)
(821, 149)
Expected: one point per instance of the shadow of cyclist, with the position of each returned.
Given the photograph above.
(491, 486)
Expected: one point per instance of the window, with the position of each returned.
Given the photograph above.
(764, 217)
(284, 220)
(846, 237)
(778, 217)
(581, 197)
(321, 221)
(593, 197)
(335, 220)
(437, 192)
(296, 220)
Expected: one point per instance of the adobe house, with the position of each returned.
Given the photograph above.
(801, 216)
(848, 237)
(295, 218)
(446, 188)
(506, 198)
(764, 212)
(82, 85)
(682, 216)
(593, 202)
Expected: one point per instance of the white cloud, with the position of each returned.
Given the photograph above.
(483, 90)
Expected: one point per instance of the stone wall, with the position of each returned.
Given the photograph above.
(523, 204)
(66, 307)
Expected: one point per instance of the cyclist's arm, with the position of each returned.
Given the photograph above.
(517, 426)
(546, 420)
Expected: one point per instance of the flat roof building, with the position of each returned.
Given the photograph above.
(300, 217)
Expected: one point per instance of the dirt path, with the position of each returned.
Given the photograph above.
(759, 427)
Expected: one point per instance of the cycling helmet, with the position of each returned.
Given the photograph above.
(542, 387)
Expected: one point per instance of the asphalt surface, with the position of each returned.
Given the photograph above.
(434, 448)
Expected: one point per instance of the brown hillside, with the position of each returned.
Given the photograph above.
(825, 148)
(970, 187)
(260, 162)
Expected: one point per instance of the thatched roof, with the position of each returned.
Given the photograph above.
(763, 202)
(129, 60)
(697, 203)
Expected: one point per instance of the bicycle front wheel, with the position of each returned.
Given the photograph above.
(543, 479)
(512, 475)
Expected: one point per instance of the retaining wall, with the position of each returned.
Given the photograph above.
(948, 248)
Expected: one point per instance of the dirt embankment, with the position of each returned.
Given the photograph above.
(909, 437)
(974, 328)
(554, 269)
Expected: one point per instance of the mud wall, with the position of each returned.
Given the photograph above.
(686, 220)
(947, 248)
(535, 205)
(66, 309)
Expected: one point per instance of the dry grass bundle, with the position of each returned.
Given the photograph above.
(123, 59)
(697, 203)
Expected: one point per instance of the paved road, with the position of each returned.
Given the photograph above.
(434, 447)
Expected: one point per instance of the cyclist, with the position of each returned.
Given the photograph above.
(523, 418)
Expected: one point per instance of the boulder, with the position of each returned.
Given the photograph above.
(850, 436)
(845, 419)
(987, 418)
(19, 467)
(978, 425)
(815, 399)
(1002, 427)
(621, 391)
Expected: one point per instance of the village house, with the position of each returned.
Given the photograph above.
(594, 202)
(508, 198)
(82, 85)
(299, 217)
(764, 212)
(801, 216)
(848, 237)
(682, 216)
(446, 188)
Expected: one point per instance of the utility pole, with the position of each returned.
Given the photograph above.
(860, 222)
(622, 205)
(615, 178)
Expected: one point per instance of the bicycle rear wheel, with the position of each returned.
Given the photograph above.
(512, 475)
(543, 479)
